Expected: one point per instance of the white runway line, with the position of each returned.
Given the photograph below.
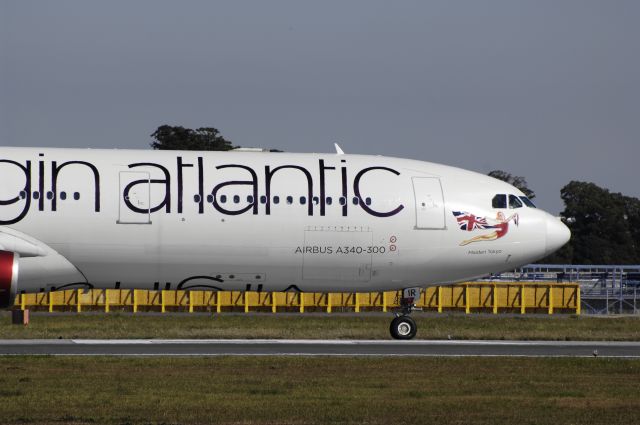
(290, 354)
(310, 347)
(318, 342)
(351, 342)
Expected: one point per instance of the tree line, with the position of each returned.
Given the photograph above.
(605, 226)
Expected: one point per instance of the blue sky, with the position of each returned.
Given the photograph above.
(545, 89)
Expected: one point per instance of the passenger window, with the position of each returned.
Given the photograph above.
(289, 200)
(528, 202)
(250, 199)
(329, 200)
(23, 194)
(63, 195)
(36, 195)
(49, 195)
(223, 199)
(303, 200)
(236, 199)
(514, 202)
(210, 199)
(76, 196)
(343, 201)
(367, 201)
(263, 199)
(355, 200)
(276, 199)
(196, 198)
(316, 200)
(499, 201)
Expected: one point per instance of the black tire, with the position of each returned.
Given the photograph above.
(403, 327)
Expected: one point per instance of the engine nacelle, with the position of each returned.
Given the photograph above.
(8, 278)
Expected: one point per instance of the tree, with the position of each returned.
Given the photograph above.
(169, 137)
(517, 181)
(632, 217)
(604, 226)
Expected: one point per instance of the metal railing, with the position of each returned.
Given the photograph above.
(495, 297)
(605, 289)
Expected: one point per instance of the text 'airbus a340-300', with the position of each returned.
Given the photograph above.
(257, 221)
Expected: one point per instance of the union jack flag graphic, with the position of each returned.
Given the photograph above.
(470, 222)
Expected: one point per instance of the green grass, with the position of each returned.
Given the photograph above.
(316, 390)
(320, 326)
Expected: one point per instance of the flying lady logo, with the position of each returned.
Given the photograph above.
(470, 222)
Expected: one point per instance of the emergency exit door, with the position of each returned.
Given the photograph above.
(135, 198)
(429, 203)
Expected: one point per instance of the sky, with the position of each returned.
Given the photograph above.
(545, 89)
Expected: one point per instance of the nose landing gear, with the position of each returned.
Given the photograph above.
(403, 326)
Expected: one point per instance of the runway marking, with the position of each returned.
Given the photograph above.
(553, 356)
(309, 347)
(325, 342)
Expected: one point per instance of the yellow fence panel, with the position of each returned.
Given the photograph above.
(525, 297)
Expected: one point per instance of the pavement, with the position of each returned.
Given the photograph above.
(282, 347)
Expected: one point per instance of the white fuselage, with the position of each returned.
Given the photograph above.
(257, 221)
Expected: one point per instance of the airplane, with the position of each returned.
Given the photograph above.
(257, 221)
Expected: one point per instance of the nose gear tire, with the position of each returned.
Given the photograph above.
(403, 327)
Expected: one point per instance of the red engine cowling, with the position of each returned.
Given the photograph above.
(8, 278)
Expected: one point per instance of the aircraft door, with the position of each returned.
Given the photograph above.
(429, 203)
(135, 198)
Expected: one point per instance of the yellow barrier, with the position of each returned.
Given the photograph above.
(468, 297)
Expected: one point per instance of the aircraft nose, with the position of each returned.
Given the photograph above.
(557, 234)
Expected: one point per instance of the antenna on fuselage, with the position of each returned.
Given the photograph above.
(339, 150)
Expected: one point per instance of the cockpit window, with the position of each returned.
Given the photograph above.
(528, 202)
(499, 201)
(514, 202)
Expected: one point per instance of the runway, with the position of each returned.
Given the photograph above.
(267, 347)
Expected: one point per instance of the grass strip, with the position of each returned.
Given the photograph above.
(318, 390)
(321, 326)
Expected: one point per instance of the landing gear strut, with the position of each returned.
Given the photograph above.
(403, 326)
